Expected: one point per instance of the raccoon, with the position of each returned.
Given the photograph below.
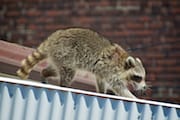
(75, 49)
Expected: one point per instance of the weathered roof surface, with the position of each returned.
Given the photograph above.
(26, 100)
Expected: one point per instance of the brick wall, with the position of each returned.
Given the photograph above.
(149, 30)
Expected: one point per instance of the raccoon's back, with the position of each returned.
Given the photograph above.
(77, 45)
(78, 37)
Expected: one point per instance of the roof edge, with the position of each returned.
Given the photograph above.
(53, 87)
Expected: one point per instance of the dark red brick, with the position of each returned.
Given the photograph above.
(33, 13)
(22, 20)
(13, 13)
(54, 13)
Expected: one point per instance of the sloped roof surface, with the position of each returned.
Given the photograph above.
(23, 100)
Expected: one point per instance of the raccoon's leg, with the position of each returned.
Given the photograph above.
(121, 90)
(100, 85)
(66, 76)
(49, 73)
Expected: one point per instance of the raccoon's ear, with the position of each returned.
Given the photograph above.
(129, 63)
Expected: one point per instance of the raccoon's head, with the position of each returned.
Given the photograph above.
(135, 73)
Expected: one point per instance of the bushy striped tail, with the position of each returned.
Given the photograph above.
(38, 55)
(28, 63)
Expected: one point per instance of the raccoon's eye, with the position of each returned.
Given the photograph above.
(136, 78)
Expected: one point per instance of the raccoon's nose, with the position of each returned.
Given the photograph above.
(145, 87)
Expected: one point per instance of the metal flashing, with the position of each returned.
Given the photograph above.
(27, 100)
